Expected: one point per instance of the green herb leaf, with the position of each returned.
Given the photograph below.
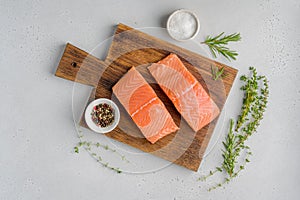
(219, 169)
(76, 149)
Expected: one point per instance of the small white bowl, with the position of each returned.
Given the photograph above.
(90, 122)
(182, 28)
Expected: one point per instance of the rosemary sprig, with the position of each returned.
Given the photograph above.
(218, 44)
(256, 92)
(216, 73)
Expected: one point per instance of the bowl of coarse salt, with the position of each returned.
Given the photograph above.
(183, 25)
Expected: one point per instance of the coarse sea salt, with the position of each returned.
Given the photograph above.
(183, 25)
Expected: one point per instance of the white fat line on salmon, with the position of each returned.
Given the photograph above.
(181, 76)
(143, 106)
(189, 88)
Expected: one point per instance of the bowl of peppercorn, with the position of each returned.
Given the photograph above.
(102, 115)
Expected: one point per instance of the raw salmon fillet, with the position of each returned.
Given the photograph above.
(143, 105)
(186, 93)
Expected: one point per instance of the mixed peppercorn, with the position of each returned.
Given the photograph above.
(103, 115)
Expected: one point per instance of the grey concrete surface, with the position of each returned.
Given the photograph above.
(36, 121)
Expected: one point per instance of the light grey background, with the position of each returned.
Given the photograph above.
(36, 124)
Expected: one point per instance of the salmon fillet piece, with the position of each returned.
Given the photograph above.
(144, 107)
(186, 93)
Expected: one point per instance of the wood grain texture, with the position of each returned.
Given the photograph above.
(77, 65)
(134, 48)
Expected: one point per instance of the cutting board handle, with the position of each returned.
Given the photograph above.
(79, 66)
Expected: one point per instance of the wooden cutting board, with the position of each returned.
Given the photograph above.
(129, 48)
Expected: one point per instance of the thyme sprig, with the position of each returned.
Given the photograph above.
(88, 147)
(218, 44)
(103, 163)
(256, 93)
